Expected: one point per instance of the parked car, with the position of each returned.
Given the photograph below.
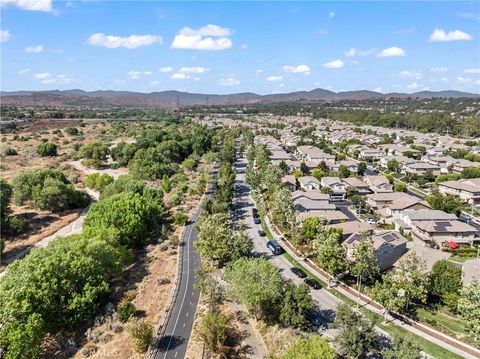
(370, 220)
(275, 247)
(261, 233)
(360, 211)
(298, 272)
(256, 220)
(312, 283)
(254, 212)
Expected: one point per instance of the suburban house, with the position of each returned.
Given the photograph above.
(335, 184)
(467, 189)
(279, 155)
(311, 153)
(309, 183)
(406, 218)
(351, 165)
(440, 161)
(330, 217)
(290, 182)
(304, 204)
(379, 184)
(358, 184)
(381, 200)
(470, 271)
(395, 208)
(428, 255)
(458, 165)
(371, 154)
(402, 160)
(420, 168)
(388, 248)
(353, 228)
(442, 233)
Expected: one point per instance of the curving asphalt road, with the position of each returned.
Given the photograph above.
(173, 344)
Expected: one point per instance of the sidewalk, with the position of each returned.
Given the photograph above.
(430, 334)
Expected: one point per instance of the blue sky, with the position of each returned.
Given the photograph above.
(227, 47)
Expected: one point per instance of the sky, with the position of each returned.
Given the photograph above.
(232, 47)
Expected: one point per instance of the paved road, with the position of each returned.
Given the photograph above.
(325, 302)
(174, 342)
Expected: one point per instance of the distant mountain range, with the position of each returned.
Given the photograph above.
(80, 98)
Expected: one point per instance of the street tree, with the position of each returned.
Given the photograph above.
(332, 256)
(469, 308)
(361, 168)
(314, 347)
(356, 336)
(216, 332)
(393, 165)
(296, 301)
(364, 265)
(446, 283)
(256, 283)
(343, 171)
(403, 348)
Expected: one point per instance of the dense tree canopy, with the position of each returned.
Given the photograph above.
(314, 347)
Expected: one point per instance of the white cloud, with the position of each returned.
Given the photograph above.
(438, 69)
(335, 64)
(392, 52)
(229, 81)
(48, 78)
(472, 71)
(34, 49)
(179, 76)
(33, 5)
(259, 71)
(300, 69)
(154, 82)
(129, 42)
(444, 79)
(24, 71)
(439, 35)
(165, 69)
(467, 80)
(378, 89)
(209, 38)
(331, 15)
(244, 46)
(193, 70)
(5, 35)
(411, 74)
(413, 86)
(147, 73)
(357, 52)
(134, 75)
(274, 78)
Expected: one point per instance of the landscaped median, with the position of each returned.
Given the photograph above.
(392, 329)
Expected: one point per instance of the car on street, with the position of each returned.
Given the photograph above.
(298, 272)
(312, 283)
(261, 233)
(256, 220)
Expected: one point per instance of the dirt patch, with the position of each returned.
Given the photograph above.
(41, 224)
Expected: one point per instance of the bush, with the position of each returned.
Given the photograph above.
(125, 311)
(47, 149)
(95, 151)
(141, 333)
(9, 151)
(98, 181)
(180, 219)
(216, 332)
(92, 163)
(72, 131)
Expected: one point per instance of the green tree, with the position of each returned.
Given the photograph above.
(356, 336)
(314, 347)
(5, 197)
(446, 203)
(311, 227)
(332, 256)
(469, 308)
(364, 265)
(208, 286)
(47, 149)
(393, 165)
(296, 301)
(304, 167)
(216, 332)
(446, 282)
(72, 131)
(318, 173)
(130, 215)
(400, 187)
(404, 347)
(343, 171)
(407, 283)
(95, 151)
(125, 311)
(98, 181)
(361, 168)
(257, 283)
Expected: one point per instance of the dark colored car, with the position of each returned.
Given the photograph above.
(298, 272)
(262, 233)
(254, 212)
(256, 220)
(312, 283)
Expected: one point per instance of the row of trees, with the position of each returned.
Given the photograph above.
(58, 287)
